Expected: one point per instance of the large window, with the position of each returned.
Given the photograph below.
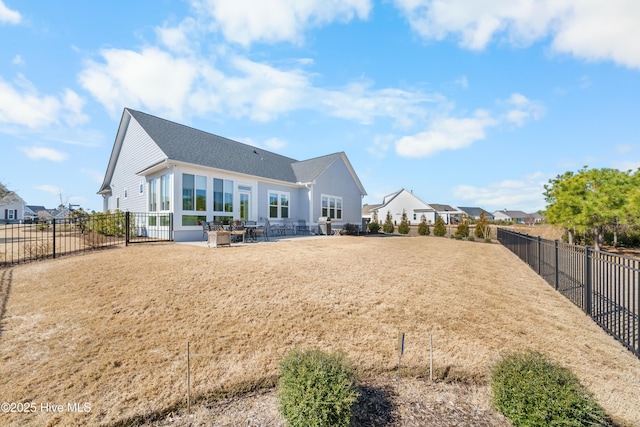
(194, 192)
(278, 205)
(331, 206)
(153, 192)
(165, 192)
(222, 195)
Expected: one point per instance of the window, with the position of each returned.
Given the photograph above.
(141, 188)
(194, 192)
(278, 205)
(222, 195)
(153, 190)
(188, 191)
(331, 206)
(165, 192)
(126, 193)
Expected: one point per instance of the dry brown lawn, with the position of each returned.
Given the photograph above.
(110, 328)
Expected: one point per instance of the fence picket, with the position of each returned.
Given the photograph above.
(604, 285)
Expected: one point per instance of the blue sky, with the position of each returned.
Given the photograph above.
(464, 102)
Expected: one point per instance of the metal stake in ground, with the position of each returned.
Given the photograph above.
(188, 381)
(400, 350)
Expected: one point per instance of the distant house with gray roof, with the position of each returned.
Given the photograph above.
(475, 212)
(517, 217)
(395, 204)
(161, 166)
(11, 206)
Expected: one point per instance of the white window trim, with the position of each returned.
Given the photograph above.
(336, 198)
(279, 206)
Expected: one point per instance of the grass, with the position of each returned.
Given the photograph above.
(111, 328)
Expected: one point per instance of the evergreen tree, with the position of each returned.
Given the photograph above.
(463, 229)
(423, 227)
(404, 228)
(388, 227)
(439, 229)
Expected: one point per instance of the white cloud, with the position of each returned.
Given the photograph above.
(275, 21)
(36, 153)
(17, 60)
(21, 104)
(522, 109)
(275, 144)
(446, 134)
(176, 85)
(380, 145)
(514, 194)
(592, 30)
(51, 189)
(152, 78)
(9, 16)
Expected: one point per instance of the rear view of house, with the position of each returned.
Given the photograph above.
(158, 166)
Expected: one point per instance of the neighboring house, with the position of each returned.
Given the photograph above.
(158, 166)
(475, 213)
(517, 217)
(397, 202)
(11, 206)
(449, 214)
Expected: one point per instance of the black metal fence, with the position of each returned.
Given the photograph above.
(604, 285)
(21, 243)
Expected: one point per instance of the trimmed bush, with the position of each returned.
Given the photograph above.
(404, 228)
(373, 227)
(423, 227)
(316, 389)
(531, 390)
(388, 227)
(462, 229)
(439, 229)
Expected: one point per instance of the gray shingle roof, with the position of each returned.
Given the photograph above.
(186, 144)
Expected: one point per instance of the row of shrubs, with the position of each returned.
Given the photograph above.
(318, 389)
(481, 230)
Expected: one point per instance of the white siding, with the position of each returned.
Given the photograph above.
(337, 181)
(407, 201)
(137, 153)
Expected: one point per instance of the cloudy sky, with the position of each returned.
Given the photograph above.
(464, 102)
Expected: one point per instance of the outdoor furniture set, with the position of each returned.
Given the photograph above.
(218, 234)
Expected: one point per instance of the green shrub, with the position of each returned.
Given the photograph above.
(373, 227)
(423, 227)
(531, 390)
(388, 227)
(316, 389)
(439, 229)
(471, 239)
(462, 230)
(404, 228)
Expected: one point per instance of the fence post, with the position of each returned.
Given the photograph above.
(127, 224)
(538, 254)
(557, 285)
(588, 280)
(53, 220)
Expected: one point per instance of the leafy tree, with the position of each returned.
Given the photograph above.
(439, 229)
(404, 228)
(590, 200)
(423, 227)
(388, 227)
(483, 231)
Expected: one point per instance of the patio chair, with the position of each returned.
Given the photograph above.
(302, 227)
(237, 231)
(263, 229)
(205, 229)
(288, 227)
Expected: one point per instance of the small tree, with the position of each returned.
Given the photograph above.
(373, 227)
(388, 227)
(483, 230)
(439, 229)
(423, 227)
(463, 229)
(404, 228)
